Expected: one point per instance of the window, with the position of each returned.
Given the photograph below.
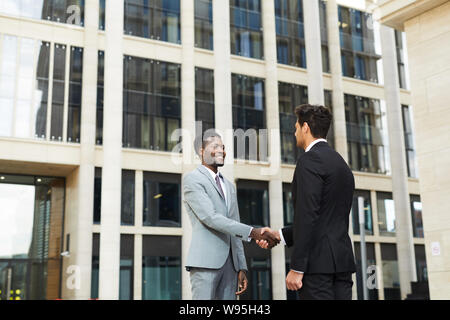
(367, 212)
(153, 19)
(127, 203)
(62, 11)
(100, 92)
(161, 268)
(290, 32)
(95, 265)
(75, 85)
(416, 216)
(126, 267)
(248, 117)
(366, 139)
(289, 97)
(371, 261)
(162, 196)
(421, 263)
(253, 202)
(288, 205)
(246, 28)
(152, 104)
(359, 59)
(102, 12)
(324, 35)
(204, 24)
(97, 195)
(57, 112)
(328, 99)
(400, 59)
(386, 214)
(409, 142)
(204, 98)
(391, 277)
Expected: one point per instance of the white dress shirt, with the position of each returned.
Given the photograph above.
(306, 150)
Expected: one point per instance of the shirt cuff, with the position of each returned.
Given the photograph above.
(248, 237)
(301, 272)
(281, 237)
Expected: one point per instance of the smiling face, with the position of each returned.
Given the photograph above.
(214, 152)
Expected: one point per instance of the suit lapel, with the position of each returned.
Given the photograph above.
(203, 170)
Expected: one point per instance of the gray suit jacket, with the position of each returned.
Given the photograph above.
(215, 225)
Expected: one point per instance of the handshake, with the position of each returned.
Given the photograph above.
(265, 237)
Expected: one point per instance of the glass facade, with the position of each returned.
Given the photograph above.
(249, 116)
(74, 108)
(204, 99)
(367, 212)
(416, 216)
(246, 28)
(253, 203)
(97, 195)
(152, 103)
(203, 24)
(62, 11)
(127, 202)
(386, 214)
(162, 200)
(102, 12)
(324, 36)
(400, 59)
(100, 91)
(31, 222)
(290, 32)
(366, 137)
(288, 205)
(153, 19)
(359, 59)
(391, 278)
(95, 265)
(370, 263)
(161, 268)
(421, 263)
(409, 142)
(126, 267)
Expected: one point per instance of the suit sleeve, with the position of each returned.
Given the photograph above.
(287, 235)
(197, 201)
(309, 195)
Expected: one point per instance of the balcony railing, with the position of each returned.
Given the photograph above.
(357, 43)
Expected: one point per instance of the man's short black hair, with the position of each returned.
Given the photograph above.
(201, 141)
(317, 117)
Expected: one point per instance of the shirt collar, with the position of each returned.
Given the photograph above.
(213, 175)
(313, 143)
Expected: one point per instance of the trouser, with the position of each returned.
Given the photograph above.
(334, 286)
(214, 284)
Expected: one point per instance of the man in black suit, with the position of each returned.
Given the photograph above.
(322, 260)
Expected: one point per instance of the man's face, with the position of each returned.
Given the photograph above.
(214, 152)
(300, 133)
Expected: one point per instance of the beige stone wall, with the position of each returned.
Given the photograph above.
(428, 37)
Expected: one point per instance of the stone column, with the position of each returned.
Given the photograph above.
(334, 49)
(405, 244)
(313, 52)
(112, 153)
(187, 124)
(273, 126)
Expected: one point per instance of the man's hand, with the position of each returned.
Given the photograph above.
(242, 282)
(259, 234)
(264, 243)
(294, 280)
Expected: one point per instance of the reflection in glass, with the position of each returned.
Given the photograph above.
(127, 202)
(416, 216)
(288, 205)
(259, 273)
(367, 212)
(41, 92)
(59, 68)
(100, 84)
(97, 195)
(409, 142)
(203, 24)
(386, 214)
(253, 201)
(161, 268)
(126, 267)
(75, 85)
(391, 278)
(370, 263)
(7, 84)
(162, 196)
(204, 98)
(95, 265)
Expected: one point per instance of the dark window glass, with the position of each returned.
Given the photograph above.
(203, 24)
(289, 97)
(365, 134)
(386, 214)
(416, 216)
(328, 99)
(62, 11)
(204, 99)
(100, 92)
(126, 267)
(75, 85)
(161, 268)
(246, 28)
(421, 263)
(127, 203)
(59, 71)
(288, 205)
(249, 117)
(97, 195)
(409, 142)
(95, 265)
(154, 19)
(359, 59)
(162, 196)
(152, 104)
(367, 212)
(400, 58)
(324, 36)
(102, 11)
(391, 277)
(253, 202)
(369, 276)
(290, 32)
(42, 77)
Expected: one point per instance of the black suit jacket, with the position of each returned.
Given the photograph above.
(322, 192)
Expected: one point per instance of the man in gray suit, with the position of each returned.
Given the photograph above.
(216, 259)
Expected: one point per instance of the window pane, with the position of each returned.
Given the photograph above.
(100, 84)
(367, 212)
(386, 214)
(416, 216)
(58, 92)
(370, 263)
(75, 85)
(391, 277)
(126, 267)
(95, 265)
(127, 203)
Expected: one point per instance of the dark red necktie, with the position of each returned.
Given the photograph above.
(220, 187)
